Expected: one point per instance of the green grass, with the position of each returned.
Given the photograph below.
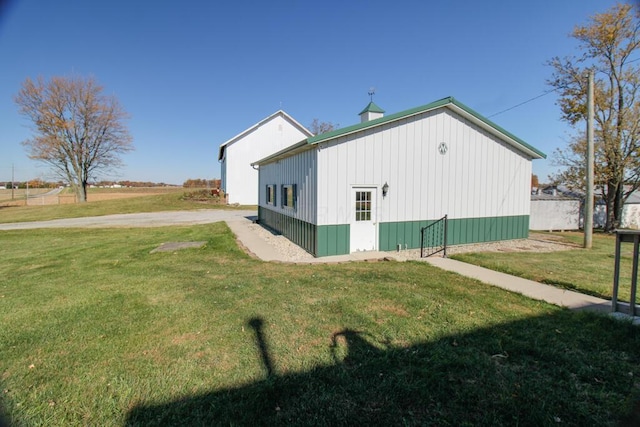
(588, 271)
(170, 201)
(96, 330)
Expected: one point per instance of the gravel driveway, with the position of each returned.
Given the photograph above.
(151, 219)
(286, 250)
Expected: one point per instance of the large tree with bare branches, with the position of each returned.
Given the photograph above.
(79, 131)
(610, 45)
(318, 128)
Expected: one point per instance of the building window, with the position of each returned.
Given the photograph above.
(363, 205)
(271, 195)
(289, 196)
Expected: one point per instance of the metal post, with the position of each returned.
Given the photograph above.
(634, 276)
(616, 274)
(588, 206)
(444, 255)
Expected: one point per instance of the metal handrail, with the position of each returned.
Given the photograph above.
(438, 230)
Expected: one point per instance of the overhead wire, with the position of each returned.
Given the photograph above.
(524, 102)
(536, 97)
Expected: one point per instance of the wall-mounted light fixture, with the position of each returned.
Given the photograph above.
(385, 189)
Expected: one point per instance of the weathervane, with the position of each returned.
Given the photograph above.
(372, 91)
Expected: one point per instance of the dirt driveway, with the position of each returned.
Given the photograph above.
(151, 219)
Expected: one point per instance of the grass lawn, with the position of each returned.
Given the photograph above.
(96, 330)
(588, 271)
(168, 200)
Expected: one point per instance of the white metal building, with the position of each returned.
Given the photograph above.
(274, 133)
(631, 212)
(373, 185)
(551, 212)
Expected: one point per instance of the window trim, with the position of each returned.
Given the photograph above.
(271, 194)
(285, 199)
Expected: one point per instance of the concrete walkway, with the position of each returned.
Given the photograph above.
(529, 288)
(539, 291)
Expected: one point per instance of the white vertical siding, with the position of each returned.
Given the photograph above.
(299, 170)
(479, 176)
(223, 174)
(630, 216)
(241, 179)
(554, 214)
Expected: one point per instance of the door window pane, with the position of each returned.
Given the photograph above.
(363, 206)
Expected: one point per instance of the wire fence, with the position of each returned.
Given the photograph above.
(35, 197)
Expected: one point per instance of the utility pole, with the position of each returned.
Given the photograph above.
(12, 179)
(588, 205)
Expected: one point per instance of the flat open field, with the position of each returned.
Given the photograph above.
(107, 201)
(99, 194)
(20, 194)
(66, 196)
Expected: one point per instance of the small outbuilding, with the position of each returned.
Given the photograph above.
(554, 211)
(239, 180)
(631, 212)
(373, 185)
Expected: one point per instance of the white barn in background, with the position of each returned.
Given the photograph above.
(274, 133)
(373, 185)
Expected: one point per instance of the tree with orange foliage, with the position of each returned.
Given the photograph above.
(79, 131)
(610, 45)
(535, 183)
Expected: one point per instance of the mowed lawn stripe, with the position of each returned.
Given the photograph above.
(96, 330)
(589, 271)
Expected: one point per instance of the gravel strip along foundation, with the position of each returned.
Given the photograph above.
(535, 243)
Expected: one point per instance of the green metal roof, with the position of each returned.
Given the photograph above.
(418, 110)
(371, 108)
(448, 102)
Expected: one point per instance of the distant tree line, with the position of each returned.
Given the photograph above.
(127, 183)
(34, 183)
(201, 183)
(190, 183)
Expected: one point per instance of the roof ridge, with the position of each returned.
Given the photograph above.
(448, 101)
(270, 117)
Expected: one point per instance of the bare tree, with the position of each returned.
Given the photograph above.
(79, 131)
(317, 127)
(610, 45)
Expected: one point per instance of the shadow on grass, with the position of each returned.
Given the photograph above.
(563, 369)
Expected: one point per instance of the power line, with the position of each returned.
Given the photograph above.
(524, 102)
(539, 96)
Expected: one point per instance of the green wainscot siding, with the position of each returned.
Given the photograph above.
(460, 231)
(299, 232)
(333, 240)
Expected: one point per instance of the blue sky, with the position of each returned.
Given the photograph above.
(193, 74)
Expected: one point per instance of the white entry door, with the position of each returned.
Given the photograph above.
(363, 227)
